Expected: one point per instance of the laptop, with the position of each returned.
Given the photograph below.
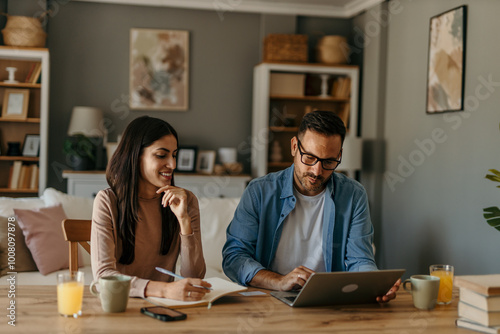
(341, 288)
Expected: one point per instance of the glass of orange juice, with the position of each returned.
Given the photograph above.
(70, 294)
(445, 273)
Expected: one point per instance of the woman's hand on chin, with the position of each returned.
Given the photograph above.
(177, 199)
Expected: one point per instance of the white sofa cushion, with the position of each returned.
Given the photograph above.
(8, 204)
(215, 216)
(75, 207)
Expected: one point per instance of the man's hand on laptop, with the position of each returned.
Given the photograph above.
(295, 279)
(391, 294)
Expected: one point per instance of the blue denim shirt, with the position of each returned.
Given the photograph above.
(254, 233)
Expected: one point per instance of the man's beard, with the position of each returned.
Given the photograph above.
(306, 183)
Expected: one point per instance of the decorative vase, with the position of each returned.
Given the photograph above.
(80, 163)
(332, 50)
(14, 148)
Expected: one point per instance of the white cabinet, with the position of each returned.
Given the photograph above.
(88, 184)
(280, 100)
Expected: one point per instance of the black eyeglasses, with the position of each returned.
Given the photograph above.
(311, 160)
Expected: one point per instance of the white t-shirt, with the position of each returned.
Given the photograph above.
(301, 242)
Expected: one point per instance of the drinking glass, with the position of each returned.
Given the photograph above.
(445, 273)
(70, 294)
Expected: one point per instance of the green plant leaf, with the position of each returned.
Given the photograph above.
(492, 216)
(495, 176)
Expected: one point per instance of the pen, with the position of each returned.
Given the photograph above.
(168, 272)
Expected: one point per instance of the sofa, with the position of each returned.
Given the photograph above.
(41, 252)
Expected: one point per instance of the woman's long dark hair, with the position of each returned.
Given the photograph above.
(123, 175)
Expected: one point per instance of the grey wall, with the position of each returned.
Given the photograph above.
(434, 215)
(89, 45)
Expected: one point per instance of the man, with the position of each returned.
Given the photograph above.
(303, 219)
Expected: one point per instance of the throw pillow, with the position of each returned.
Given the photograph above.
(7, 204)
(44, 237)
(75, 207)
(23, 259)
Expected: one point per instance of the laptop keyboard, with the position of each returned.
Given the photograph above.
(290, 298)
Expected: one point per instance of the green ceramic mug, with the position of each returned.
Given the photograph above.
(113, 292)
(424, 290)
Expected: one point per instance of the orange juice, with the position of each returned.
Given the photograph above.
(445, 285)
(69, 298)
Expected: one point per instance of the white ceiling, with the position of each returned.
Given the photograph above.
(325, 8)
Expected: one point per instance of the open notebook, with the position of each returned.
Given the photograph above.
(221, 287)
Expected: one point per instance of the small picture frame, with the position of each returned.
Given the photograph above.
(31, 147)
(205, 162)
(186, 159)
(15, 103)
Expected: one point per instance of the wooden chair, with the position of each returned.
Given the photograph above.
(76, 231)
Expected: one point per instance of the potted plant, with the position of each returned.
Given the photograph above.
(80, 152)
(492, 214)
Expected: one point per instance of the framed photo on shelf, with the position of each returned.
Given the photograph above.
(31, 147)
(205, 162)
(186, 159)
(446, 64)
(15, 103)
(159, 69)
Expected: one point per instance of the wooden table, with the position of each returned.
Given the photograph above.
(36, 312)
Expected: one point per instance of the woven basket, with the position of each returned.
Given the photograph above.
(332, 50)
(285, 47)
(23, 31)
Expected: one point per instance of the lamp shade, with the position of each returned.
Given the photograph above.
(86, 121)
(352, 153)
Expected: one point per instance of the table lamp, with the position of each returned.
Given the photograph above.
(86, 121)
(352, 154)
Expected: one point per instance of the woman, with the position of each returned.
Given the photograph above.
(143, 221)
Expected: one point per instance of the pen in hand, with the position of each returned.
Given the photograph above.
(168, 272)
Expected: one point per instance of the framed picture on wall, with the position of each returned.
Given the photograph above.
(159, 69)
(446, 63)
(186, 159)
(15, 103)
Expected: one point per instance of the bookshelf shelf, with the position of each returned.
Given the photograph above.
(18, 191)
(15, 158)
(32, 74)
(20, 85)
(284, 128)
(27, 120)
(284, 92)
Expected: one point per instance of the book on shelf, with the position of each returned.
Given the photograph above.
(220, 288)
(467, 324)
(24, 178)
(487, 303)
(30, 73)
(16, 173)
(341, 87)
(34, 177)
(36, 73)
(487, 285)
(482, 317)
